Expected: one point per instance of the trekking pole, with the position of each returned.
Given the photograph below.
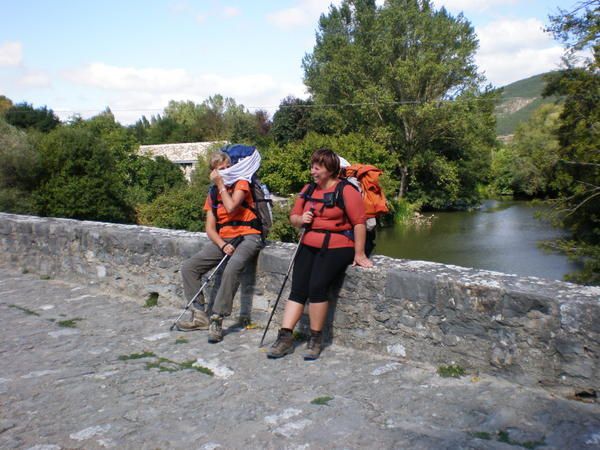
(284, 282)
(233, 242)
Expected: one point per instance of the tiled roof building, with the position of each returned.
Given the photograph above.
(184, 155)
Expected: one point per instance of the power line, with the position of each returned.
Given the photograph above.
(309, 106)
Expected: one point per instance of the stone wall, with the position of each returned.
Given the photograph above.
(529, 330)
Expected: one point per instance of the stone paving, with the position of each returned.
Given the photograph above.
(83, 369)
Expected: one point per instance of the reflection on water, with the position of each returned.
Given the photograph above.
(501, 236)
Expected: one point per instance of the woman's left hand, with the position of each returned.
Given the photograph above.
(361, 260)
(215, 176)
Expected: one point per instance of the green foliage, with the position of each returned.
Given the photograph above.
(451, 371)
(19, 170)
(286, 169)
(282, 230)
(402, 211)
(391, 70)
(182, 207)
(578, 204)
(25, 310)
(528, 166)
(24, 115)
(179, 208)
(322, 400)
(5, 104)
(152, 300)
(147, 178)
(168, 365)
(81, 178)
(503, 436)
(69, 323)
(145, 354)
(510, 111)
(587, 255)
(217, 118)
(291, 122)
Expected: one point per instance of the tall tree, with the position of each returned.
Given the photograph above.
(23, 115)
(291, 121)
(391, 71)
(81, 178)
(579, 132)
(19, 170)
(5, 104)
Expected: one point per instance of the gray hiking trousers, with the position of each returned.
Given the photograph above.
(208, 257)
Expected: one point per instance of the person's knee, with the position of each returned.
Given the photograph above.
(318, 293)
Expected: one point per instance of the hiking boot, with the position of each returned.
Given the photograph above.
(314, 346)
(198, 321)
(284, 345)
(215, 329)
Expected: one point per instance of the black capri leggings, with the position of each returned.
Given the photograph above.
(315, 270)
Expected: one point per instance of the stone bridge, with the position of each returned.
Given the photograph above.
(87, 365)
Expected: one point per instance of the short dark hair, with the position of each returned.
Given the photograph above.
(328, 159)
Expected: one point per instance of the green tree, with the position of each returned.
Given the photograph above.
(291, 121)
(80, 178)
(182, 206)
(529, 165)
(286, 169)
(5, 104)
(24, 115)
(392, 71)
(578, 206)
(19, 170)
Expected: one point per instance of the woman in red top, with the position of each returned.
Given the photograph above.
(334, 238)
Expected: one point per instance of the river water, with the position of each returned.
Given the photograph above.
(502, 236)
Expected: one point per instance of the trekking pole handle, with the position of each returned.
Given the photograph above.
(306, 226)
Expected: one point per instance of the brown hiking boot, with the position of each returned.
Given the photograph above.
(199, 321)
(284, 345)
(215, 329)
(314, 346)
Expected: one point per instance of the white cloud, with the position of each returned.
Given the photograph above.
(200, 18)
(511, 35)
(305, 12)
(456, 6)
(504, 68)
(103, 76)
(180, 7)
(11, 54)
(133, 92)
(230, 11)
(35, 79)
(510, 50)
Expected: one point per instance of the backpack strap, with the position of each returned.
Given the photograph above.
(254, 223)
(338, 200)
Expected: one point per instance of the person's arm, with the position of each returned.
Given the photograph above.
(360, 237)
(355, 211)
(213, 234)
(231, 202)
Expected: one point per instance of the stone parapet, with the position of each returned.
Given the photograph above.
(526, 329)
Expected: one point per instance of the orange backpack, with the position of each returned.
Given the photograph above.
(372, 194)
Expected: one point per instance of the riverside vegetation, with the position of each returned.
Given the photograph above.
(414, 104)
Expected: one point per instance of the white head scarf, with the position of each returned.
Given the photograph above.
(242, 170)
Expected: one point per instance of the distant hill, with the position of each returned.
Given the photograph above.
(517, 103)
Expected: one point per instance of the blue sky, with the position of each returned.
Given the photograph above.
(78, 56)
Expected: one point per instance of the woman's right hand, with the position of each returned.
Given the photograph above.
(307, 217)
